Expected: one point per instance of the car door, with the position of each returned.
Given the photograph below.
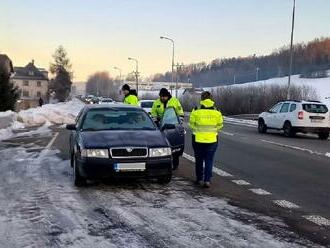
(175, 136)
(282, 115)
(271, 116)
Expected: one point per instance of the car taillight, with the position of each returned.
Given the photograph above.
(300, 115)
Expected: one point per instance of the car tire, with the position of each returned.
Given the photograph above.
(176, 162)
(262, 128)
(165, 179)
(78, 180)
(324, 136)
(288, 130)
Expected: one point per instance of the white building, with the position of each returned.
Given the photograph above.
(33, 84)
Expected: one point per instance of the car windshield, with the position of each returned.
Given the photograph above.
(117, 119)
(315, 108)
(147, 104)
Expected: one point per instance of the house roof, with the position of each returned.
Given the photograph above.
(29, 72)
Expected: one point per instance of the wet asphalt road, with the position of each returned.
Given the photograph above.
(40, 207)
(294, 169)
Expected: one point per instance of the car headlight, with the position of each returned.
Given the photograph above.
(95, 153)
(160, 152)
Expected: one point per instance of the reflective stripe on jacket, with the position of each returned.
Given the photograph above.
(132, 100)
(158, 108)
(206, 122)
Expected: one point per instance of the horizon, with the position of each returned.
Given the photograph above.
(222, 33)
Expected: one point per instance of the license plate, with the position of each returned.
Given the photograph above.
(130, 167)
(317, 120)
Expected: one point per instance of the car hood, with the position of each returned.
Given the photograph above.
(112, 138)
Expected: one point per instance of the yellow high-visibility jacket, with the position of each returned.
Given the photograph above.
(206, 122)
(131, 99)
(158, 108)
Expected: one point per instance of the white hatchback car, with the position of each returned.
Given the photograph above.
(297, 116)
(146, 105)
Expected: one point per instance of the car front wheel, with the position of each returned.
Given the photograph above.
(324, 136)
(165, 179)
(262, 128)
(78, 180)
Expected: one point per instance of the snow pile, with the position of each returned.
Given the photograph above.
(252, 123)
(8, 123)
(47, 115)
(60, 113)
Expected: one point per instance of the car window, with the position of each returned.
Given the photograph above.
(170, 117)
(275, 108)
(293, 107)
(147, 104)
(315, 108)
(117, 119)
(285, 108)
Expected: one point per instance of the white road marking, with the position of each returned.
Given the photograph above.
(52, 141)
(318, 220)
(260, 192)
(189, 157)
(294, 147)
(240, 124)
(240, 182)
(221, 172)
(227, 133)
(215, 170)
(327, 154)
(286, 204)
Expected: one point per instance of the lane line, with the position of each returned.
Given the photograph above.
(318, 220)
(260, 191)
(227, 133)
(241, 182)
(294, 147)
(51, 141)
(286, 204)
(217, 171)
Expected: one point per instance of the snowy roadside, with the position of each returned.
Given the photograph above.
(47, 115)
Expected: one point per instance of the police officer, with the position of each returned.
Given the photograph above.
(129, 96)
(166, 100)
(205, 123)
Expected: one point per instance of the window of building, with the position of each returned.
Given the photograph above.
(38, 94)
(38, 84)
(25, 83)
(31, 73)
(26, 93)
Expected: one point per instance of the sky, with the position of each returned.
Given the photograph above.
(101, 34)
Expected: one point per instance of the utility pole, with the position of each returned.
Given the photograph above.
(136, 73)
(291, 50)
(257, 73)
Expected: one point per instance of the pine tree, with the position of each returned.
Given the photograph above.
(8, 92)
(61, 68)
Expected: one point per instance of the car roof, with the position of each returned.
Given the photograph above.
(303, 101)
(111, 105)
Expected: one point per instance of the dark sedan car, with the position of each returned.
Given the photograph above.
(116, 140)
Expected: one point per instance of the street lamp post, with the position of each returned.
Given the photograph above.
(117, 68)
(176, 84)
(291, 50)
(136, 73)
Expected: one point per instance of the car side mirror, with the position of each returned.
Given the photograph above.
(71, 127)
(167, 127)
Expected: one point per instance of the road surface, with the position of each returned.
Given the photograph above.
(40, 207)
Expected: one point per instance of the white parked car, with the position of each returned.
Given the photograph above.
(107, 100)
(297, 116)
(146, 105)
